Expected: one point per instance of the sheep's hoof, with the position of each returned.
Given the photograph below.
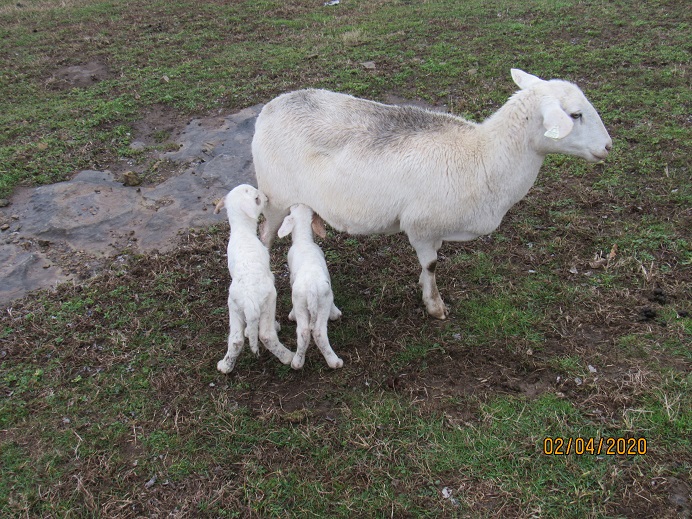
(336, 364)
(334, 314)
(297, 363)
(224, 366)
(439, 312)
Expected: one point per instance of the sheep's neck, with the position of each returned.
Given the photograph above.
(243, 226)
(301, 232)
(505, 153)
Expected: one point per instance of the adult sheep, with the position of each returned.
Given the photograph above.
(370, 168)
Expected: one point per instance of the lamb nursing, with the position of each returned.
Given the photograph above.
(311, 287)
(252, 295)
(370, 168)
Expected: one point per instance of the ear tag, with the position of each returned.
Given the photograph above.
(553, 133)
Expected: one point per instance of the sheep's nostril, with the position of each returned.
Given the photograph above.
(609, 147)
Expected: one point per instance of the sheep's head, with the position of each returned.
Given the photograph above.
(571, 124)
(246, 200)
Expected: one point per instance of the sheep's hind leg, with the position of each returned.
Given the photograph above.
(235, 338)
(267, 334)
(427, 255)
(334, 313)
(235, 346)
(303, 336)
(322, 341)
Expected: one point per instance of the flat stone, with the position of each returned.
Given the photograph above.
(98, 215)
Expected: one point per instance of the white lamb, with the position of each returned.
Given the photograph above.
(313, 300)
(251, 296)
(369, 168)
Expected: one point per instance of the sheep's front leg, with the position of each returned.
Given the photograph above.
(427, 255)
(273, 218)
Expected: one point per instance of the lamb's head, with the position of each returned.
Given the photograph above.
(302, 217)
(243, 200)
(571, 125)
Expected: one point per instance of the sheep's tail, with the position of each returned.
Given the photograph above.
(252, 320)
(314, 304)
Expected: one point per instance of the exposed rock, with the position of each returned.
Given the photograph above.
(94, 216)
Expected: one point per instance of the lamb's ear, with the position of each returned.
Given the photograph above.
(286, 227)
(219, 205)
(318, 226)
(524, 79)
(557, 123)
(250, 208)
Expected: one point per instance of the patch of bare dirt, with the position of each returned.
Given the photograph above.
(78, 76)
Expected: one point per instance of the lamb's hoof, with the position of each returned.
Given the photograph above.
(439, 312)
(336, 364)
(335, 314)
(292, 315)
(287, 357)
(297, 362)
(224, 367)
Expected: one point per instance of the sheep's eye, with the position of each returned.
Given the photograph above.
(576, 116)
(258, 201)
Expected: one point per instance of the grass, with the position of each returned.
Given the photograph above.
(571, 320)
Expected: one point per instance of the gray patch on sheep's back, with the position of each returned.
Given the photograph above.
(67, 231)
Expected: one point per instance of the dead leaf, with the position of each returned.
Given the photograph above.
(598, 263)
(166, 79)
(370, 65)
(613, 252)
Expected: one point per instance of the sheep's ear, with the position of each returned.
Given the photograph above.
(318, 226)
(557, 123)
(219, 205)
(250, 208)
(286, 227)
(523, 79)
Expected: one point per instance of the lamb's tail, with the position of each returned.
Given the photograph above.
(252, 320)
(314, 304)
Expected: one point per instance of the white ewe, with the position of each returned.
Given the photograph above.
(369, 168)
(313, 300)
(251, 296)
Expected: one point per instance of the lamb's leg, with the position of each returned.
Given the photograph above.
(427, 255)
(267, 334)
(322, 340)
(235, 344)
(303, 335)
(273, 218)
(334, 313)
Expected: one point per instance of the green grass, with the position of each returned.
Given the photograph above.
(111, 405)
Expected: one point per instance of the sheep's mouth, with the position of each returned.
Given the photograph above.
(598, 158)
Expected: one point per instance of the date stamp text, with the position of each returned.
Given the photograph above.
(558, 446)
